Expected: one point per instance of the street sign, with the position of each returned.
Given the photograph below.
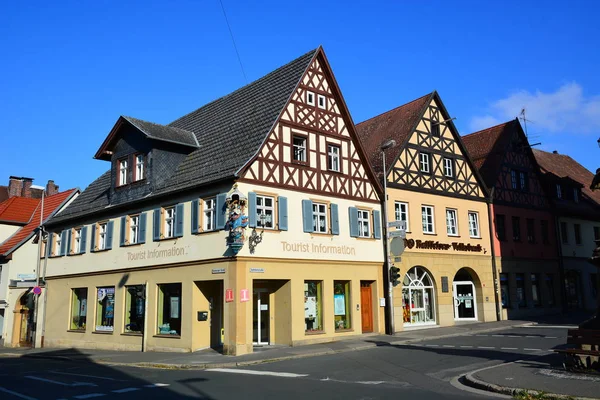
(397, 224)
(37, 290)
(401, 233)
(397, 246)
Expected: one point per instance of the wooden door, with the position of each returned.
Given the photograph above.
(366, 305)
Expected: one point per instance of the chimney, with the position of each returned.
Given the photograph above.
(51, 188)
(15, 186)
(555, 152)
(26, 190)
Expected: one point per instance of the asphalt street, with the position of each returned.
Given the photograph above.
(423, 370)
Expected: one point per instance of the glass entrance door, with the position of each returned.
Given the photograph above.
(465, 301)
(260, 317)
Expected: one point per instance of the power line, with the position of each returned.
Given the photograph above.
(233, 40)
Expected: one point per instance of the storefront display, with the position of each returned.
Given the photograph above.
(418, 300)
(105, 311)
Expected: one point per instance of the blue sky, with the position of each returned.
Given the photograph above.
(70, 68)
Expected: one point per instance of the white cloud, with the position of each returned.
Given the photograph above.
(479, 123)
(565, 110)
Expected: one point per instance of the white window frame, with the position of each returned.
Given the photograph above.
(333, 157)
(76, 240)
(402, 215)
(262, 208)
(123, 172)
(364, 221)
(208, 214)
(139, 167)
(320, 214)
(57, 243)
(134, 229)
(299, 149)
(310, 98)
(425, 162)
(474, 229)
(102, 235)
(448, 167)
(324, 99)
(452, 221)
(426, 213)
(169, 222)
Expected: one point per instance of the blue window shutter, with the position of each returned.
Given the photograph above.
(63, 242)
(109, 234)
(335, 220)
(178, 220)
(307, 216)
(251, 209)
(220, 210)
(142, 238)
(49, 244)
(353, 217)
(69, 233)
(83, 239)
(156, 225)
(123, 226)
(195, 206)
(93, 239)
(377, 224)
(282, 212)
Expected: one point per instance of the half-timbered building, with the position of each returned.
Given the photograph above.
(446, 269)
(253, 220)
(524, 233)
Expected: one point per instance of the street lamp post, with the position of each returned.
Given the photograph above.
(387, 281)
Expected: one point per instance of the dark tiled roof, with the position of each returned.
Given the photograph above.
(396, 124)
(229, 130)
(164, 133)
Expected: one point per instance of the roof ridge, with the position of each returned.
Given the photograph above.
(488, 128)
(396, 108)
(154, 123)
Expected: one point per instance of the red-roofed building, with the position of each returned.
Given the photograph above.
(524, 237)
(20, 218)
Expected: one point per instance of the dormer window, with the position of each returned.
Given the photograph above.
(322, 101)
(558, 191)
(123, 172)
(435, 128)
(139, 167)
(310, 98)
(576, 195)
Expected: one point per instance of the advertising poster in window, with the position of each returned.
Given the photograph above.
(175, 307)
(106, 309)
(310, 307)
(339, 304)
(83, 308)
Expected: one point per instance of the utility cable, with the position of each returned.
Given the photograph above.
(233, 40)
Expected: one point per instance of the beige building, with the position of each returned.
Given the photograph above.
(251, 221)
(432, 186)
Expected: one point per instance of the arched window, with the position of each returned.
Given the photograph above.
(418, 301)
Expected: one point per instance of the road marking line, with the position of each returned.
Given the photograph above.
(432, 345)
(508, 348)
(156, 385)
(47, 380)
(448, 345)
(499, 335)
(551, 337)
(481, 335)
(89, 396)
(87, 376)
(17, 394)
(550, 326)
(252, 372)
(529, 336)
(370, 382)
(125, 390)
(532, 349)
(467, 347)
(485, 347)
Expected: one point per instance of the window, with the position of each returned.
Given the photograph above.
(558, 191)
(134, 229)
(76, 249)
(474, 224)
(501, 227)
(577, 229)
(535, 290)
(333, 158)
(418, 299)
(57, 244)
(402, 213)
(564, 233)
(530, 230)
(364, 228)
(513, 178)
(169, 309)
(105, 309)
(427, 219)
(134, 308)
(550, 287)
(504, 290)
(313, 306)
(449, 167)
(523, 180)
(596, 233)
(265, 206)
(210, 216)
(545, 232)
(299, 146)
(522, 302)
(435, 128)
(322, 101)
(102, 236)
(310, 98)
(516, 227)
(342, 308)
(320, 217)
(425, 161)
(451, 226)
(78, 309)
(576, 195)
(169, 222)
(123, 172)
(139, 172)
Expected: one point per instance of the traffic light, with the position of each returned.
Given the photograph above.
(395, 276)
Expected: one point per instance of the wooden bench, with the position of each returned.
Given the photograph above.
(586, 355)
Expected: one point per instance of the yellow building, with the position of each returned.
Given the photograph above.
(253, 220)
(432, 186)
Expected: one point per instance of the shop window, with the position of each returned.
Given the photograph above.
(535, 290)
(342, 308)
(451, 224)
(564, 233)
(139, 171)
(299, 149)
(545, 231)
(78, 309)
(550, 287)
(333, 158)
(521, 301)
(501, 227)
(134, 308)
(425, 162)
(530, 230)
(418, 303)
(401, 212)
(516, 227)
(427, 219)
(169, 309)
(474, 225)
(505, 290)
(313, 306)
(577, 230)
(105, 309)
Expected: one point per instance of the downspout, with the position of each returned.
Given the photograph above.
(497, 300)
(45, 292)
